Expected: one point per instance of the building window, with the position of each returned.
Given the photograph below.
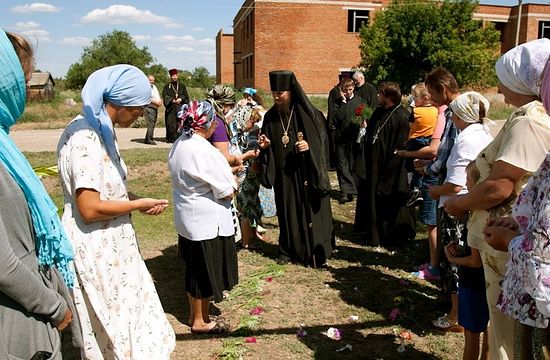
(501, 27)
(544, 29)
(356, 18)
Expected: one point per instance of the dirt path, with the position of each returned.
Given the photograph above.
(46, 140)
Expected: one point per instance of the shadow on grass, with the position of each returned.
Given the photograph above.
(168, 272)
(365, 346)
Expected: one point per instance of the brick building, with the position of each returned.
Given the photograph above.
(318, 39)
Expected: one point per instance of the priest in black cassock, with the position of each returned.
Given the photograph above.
(381, 212)
(293, 155)
(174, 96)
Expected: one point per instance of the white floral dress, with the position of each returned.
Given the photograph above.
(528, 269)
(116, 300)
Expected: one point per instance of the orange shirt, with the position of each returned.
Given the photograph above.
(425, 118)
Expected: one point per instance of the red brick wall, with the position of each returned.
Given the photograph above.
(224, 59)
(309, 39)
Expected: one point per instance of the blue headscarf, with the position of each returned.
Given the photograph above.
(51, 242)
(122, 85)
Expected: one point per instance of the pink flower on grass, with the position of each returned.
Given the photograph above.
(269, 279)
(250, 340)
(394, 314)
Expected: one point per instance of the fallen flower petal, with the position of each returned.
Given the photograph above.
(334, 333)
(353, 318)
(269, 279)
(257, 310)
(394, 314)
(406, 335)
(250, 340)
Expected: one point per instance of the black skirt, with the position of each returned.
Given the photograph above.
(211, 266)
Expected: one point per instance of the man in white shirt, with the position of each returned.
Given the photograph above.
(151, 111)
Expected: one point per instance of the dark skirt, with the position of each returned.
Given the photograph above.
(211, 266)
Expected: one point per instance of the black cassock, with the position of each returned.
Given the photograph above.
(169, 94)
(304, 211)
(381, 210)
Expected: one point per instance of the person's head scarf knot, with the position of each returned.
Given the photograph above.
(196, 115)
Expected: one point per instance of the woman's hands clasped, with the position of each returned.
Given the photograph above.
(152, 206)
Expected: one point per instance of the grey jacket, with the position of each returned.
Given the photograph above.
(31, 299)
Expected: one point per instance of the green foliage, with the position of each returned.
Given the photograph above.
(411, 37)
(116, 47)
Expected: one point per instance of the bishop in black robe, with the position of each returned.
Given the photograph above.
(381, 212)
(174, 95)
(300, 179)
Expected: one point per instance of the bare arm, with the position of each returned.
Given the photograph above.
(224, 149)
(92, 208)
(494, 190)
(445, 189)
(427, 152)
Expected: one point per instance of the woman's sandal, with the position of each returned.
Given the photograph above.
(443, 323)
(219, 328)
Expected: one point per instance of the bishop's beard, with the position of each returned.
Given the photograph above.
(284, 109)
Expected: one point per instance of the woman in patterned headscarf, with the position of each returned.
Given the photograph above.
(202, 187)
(505, 166)
(115, 297)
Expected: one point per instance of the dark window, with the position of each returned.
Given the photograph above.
(501, 27)
(356, 18)
(544, 29)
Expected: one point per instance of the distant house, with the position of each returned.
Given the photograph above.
(41, 86)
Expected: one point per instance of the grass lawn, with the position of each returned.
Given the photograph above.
(363, 281)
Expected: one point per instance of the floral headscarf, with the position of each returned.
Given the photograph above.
(196, 115)
(520, 68)
(545, 87)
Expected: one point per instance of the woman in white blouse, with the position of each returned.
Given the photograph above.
(203, 187)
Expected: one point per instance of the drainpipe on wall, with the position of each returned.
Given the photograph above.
(518, 23)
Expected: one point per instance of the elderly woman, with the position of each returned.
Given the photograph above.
(505, 167)
(202, 187)
(115, 297)
(34, 303)
(525, 288)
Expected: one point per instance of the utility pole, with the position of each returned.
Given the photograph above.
(518, 23)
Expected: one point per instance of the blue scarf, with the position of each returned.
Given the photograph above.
(122, 85)
(51, 242)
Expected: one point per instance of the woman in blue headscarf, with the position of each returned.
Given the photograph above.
(34, 302)
(115, 297)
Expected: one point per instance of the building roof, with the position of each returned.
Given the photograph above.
(40, 78)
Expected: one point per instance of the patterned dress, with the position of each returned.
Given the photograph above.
(114, 294)
(528, 270)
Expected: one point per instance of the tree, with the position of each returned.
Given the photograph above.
(411, 37)
(112, 48)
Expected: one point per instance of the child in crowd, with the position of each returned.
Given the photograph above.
(473, 311)
(423, 118)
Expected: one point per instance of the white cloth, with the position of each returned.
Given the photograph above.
(520, 68)
(466, 106)
(468, 145)
(201, 179)
(115, 298)
(155, 96)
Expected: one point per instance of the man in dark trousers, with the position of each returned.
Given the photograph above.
(346, 131)
(293, 158)
(174, 96)
(381, 212)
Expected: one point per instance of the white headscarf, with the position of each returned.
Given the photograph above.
(520, 68)
(466, 106)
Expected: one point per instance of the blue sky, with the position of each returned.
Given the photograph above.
(178, 33)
